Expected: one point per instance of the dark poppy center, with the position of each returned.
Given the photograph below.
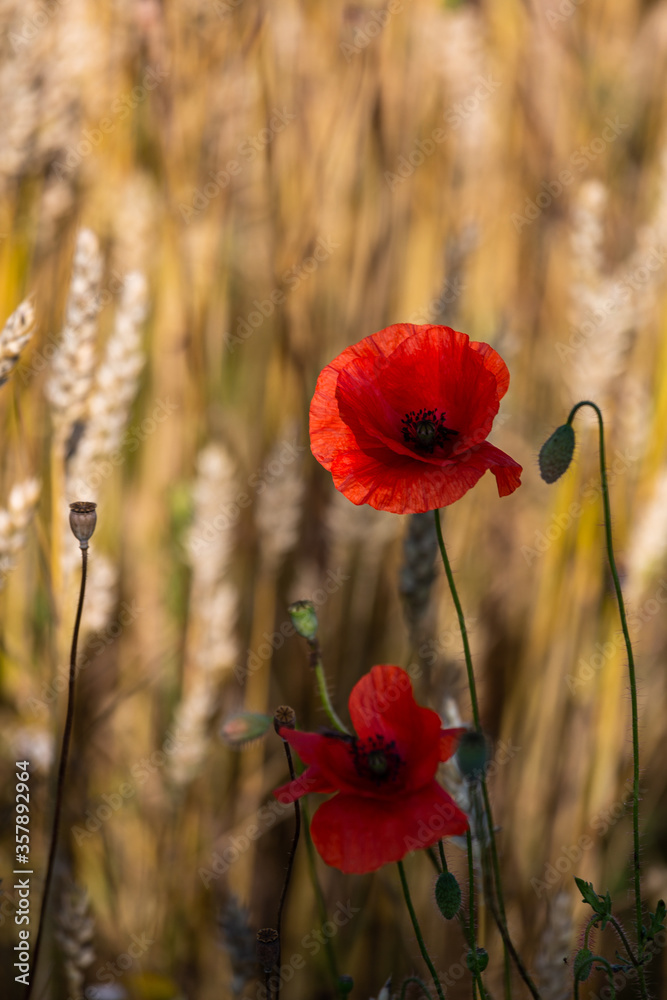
(426, 430)
(377, 759)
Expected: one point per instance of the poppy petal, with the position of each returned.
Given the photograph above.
(449, 741)
(359, 835)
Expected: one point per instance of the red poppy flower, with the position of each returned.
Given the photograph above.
(401, 418)
(388, 800)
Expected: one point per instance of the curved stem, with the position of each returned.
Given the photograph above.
(462, 621)
(326, 700)
(418, 933)
(422, 985)
(62, 770)
(633, 680)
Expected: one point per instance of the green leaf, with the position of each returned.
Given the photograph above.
(601, 905)
(656, 921)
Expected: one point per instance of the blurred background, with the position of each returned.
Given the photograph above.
(201, 204)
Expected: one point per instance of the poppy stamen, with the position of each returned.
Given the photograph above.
(425, 431)
(376, 759)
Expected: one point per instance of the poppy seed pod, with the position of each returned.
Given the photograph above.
(284, 716)
(556, 453)
(268, 948)
(82, 521)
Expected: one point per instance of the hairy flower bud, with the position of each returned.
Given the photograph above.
(556, 453)
(472, 755)
(304, 619)
(448, 895)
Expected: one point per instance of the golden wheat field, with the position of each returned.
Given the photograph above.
(202, 203)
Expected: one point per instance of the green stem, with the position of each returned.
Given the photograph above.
(443, 859)
(422, 985)
(316, 664)
(418, 933)
(319, 897)
(472, 941)
(475, 714)
(633, 681)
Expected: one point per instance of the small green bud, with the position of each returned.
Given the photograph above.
(448, 895)
(477, 961)
(304, 619)
(583, 963)
(472, 755)
(556, 453)
(245, 727)
(345, 984)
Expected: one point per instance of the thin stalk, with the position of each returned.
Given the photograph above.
(633, 680)
(415, 979)
(319, 897)
(290, 859)
(475, 715)
(477, 976)
(317, 666)
(418, 933)
(62, 771)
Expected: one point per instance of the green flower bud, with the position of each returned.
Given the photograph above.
(448, 895)
(472, 755)
(477, 962)
(556, 453)
(244, 728)
(345, 984)
(304, 619)
(583, 963)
